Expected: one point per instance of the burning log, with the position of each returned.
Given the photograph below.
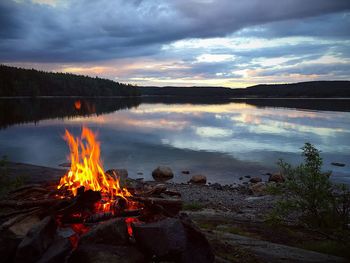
(95, 218)
(169, 207)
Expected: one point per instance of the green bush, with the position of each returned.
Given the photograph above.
(310, 195)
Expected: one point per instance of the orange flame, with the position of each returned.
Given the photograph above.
(87, 169)
(77, 104)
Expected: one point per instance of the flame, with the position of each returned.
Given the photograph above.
(87, 169)
(77, 104)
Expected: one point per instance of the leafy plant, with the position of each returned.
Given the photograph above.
(310, 194)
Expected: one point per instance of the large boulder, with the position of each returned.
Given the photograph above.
(198, 179)
(165, 239)
(98, 253)
(173, 239)
(111, 232)
(162, 173)
(276, 177)
(37, 240)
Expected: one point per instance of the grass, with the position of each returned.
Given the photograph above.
(193, 206)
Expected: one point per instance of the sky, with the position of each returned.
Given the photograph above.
(231, 43)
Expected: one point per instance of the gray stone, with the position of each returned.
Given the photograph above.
(57, 252)
(98, 253)
(111, 232)
(166, 239)
(174, 239)
(198, 179)
(217, 186)
(37, 240)
(162, 173)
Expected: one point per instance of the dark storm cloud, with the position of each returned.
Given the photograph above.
(87, 30)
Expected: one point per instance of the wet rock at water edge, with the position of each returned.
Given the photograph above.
(162, 173)
(338, 164)
(276, 177)
(217, 186)
(185, 172)
(255, 180)
(198, 179)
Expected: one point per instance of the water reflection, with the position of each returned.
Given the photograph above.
(223, 141)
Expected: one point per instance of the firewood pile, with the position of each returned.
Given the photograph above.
(39, 223)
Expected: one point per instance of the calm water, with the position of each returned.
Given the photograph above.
(221, 140)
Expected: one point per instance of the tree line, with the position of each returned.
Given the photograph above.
(33, 83)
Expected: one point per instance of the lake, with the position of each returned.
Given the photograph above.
(223, 139)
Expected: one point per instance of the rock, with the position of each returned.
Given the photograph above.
(98, 253)
(217, 186)
(22, 227)
(8, 245)
(258, 188)
(198, 179)
(175, 239)
(198, 248)
(185, 172)
(247, 176)
(120, 173)
(162, 173)
(276, 177)
(338, 164)
(241, 178)
(57, 252)
(37, 240)
(111, 232)
(166, 239)
(255, 180)
(139, 173)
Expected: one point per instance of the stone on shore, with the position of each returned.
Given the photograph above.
(255, 180)
(198, 179)
(276, 177)
(162, 173)
(258, 188)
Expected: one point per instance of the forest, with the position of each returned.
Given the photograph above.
(16, 82)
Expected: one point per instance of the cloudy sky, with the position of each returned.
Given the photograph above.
(231, 43)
